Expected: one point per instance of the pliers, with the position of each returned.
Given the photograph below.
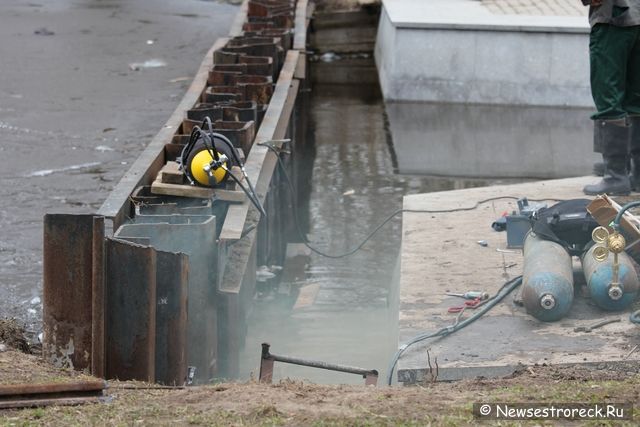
(474, 303)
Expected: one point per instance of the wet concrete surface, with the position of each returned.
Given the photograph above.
(74, 115)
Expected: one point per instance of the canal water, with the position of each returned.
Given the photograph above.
(363, 159)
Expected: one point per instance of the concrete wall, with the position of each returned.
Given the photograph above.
(498, 60)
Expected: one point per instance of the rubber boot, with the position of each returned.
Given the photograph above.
(598, 125)
(634, 149)
(598, 167)
(613, 138)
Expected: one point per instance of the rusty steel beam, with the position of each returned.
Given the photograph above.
(13, 390)
(195, 237)
(171, 318)
(131, 311)
(71, 272)
(36, 395)
(97, 298)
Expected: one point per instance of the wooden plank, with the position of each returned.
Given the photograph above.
(261, 161)
(300, 36)
(301, 67)
(307, 296)
(171, 173)
(165, 189)
(238, 22)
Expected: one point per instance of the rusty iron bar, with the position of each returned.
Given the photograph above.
(267, 361)
(13, 390)
(36, 395)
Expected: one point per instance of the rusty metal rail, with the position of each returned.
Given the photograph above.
(36, 395)
(267, 360)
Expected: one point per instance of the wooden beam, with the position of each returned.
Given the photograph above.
(261, 161)
(240, 19)
(300, 36)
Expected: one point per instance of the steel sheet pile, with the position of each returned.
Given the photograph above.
(151, 307)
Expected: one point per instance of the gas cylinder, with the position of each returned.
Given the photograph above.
(547, 284)
(599, 275)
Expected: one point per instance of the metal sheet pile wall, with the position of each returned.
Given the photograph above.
(153, 299)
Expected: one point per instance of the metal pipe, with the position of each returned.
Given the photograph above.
(371, 375)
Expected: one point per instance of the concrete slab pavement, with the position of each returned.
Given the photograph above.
(440, 253)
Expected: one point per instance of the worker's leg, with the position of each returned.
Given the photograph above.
(631, 105)
(610, 48)
(609, 51)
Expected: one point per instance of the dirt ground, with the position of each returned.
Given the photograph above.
(291, 403)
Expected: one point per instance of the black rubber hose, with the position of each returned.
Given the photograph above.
(506, 289)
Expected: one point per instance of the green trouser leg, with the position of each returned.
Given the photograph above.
(615, 82)
(614, 54)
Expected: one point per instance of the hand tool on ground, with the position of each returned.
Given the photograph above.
(595, 325)
(470, 295)
(467, 305)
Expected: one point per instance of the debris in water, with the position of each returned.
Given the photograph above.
(150, 42)
(43, 32)
(264, 273)
(329, 57)
(105, 130)
(349, 192)
(46, 172)
(103, 148)
(152, 63)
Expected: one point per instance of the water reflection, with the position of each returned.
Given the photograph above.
(491, 141)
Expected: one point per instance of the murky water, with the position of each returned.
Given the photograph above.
(354, 153)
